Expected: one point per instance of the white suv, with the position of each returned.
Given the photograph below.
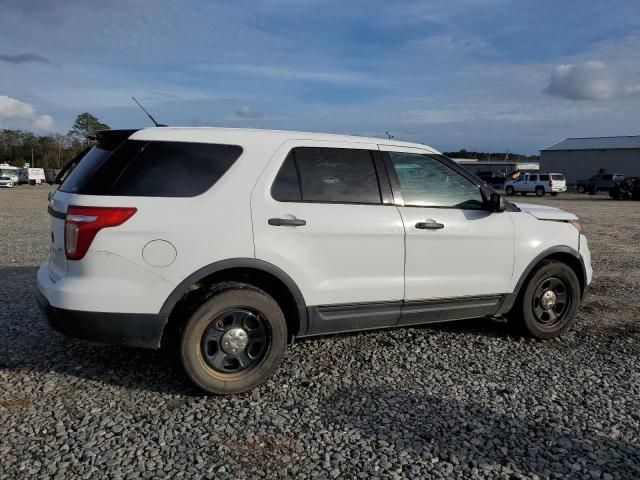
(231, 243)
(538, 183)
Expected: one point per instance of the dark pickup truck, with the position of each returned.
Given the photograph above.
(599, 182)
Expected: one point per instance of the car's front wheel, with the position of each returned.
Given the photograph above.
(509, 190)
(581, 189)
(550, 300)
(235, 340)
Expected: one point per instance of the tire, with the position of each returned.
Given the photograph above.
(539, 192)
(509, 190)
(529, 313)
(256, 353)
(581, 189)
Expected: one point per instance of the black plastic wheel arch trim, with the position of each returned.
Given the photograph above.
(510, 298)
(228, 264)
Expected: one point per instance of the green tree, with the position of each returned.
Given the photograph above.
(85, 123)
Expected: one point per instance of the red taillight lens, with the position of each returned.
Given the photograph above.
(83, 223)
(551, 183)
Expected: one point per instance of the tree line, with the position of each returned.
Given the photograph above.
(18, 147)
(493, 156)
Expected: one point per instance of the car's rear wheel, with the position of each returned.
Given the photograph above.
(580, 188)
(235, 340)
(509, 190)
(550, 300)
(539, 191)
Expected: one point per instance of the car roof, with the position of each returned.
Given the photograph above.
(219, 134)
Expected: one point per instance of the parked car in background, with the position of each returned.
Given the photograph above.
(230, 243)
(599, 182)
(538, 183)
(6, 182)
(627, 189)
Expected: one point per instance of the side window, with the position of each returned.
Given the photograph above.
(152, 169)
(607, 177)
(544, 178)
(533, 178)
(425, 182)
(332, 175)
(286, 187)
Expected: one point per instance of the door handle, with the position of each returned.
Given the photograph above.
(429, 225)
(287, 222)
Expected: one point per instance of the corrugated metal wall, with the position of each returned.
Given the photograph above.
(582, 164)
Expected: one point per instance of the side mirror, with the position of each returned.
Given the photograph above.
(497, 203)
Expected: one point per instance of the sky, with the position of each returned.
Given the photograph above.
(491, 75)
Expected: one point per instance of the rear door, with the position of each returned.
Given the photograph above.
(459, 256)
(320, 214)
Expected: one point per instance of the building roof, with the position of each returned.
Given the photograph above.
(596, 143)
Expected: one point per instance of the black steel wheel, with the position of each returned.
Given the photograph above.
(549, 300)
(509, 190)
(539, 191)
(235, 340)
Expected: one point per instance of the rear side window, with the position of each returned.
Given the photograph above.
(544, 178)
(533, 178)
(607, 177)
(557, 177)
(331, 175)
(153, 169)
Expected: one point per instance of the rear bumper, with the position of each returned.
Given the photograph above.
(133, 329)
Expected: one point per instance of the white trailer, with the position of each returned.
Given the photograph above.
(32, 176)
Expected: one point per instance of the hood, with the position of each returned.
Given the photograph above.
(542, 212)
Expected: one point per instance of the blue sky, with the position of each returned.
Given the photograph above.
(492, 75)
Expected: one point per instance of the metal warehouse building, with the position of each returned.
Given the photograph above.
(581, 158)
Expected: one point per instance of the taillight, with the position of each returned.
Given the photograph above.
(83, 223)
(551, 183)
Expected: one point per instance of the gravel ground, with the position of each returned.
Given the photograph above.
(464, 400)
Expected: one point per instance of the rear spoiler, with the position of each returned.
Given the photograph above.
(110, 139)
(105, 139)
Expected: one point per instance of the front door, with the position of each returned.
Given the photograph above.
(459, 256)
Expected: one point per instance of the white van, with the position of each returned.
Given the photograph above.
(10, 171)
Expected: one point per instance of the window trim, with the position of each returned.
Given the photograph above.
(378, 167)
(397, 189)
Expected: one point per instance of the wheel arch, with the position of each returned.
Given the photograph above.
(258, 273)
(560, 253)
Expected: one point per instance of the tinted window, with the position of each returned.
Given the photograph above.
(286, 187)
(153, 169)
(557, 177)
(607, 177)
(425, 182)
(337, 175)
(79, 174)
(533, 178)
(544, 178)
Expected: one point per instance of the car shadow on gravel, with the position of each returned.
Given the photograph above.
(29, 344)
(468, 434)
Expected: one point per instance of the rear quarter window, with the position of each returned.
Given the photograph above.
(544, 178)
(154, 169)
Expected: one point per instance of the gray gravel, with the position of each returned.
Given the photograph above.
(464, 400)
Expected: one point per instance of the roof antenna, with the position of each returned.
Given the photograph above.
(148, 114)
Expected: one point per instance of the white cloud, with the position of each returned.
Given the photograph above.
(592, 80)
(17, 114)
